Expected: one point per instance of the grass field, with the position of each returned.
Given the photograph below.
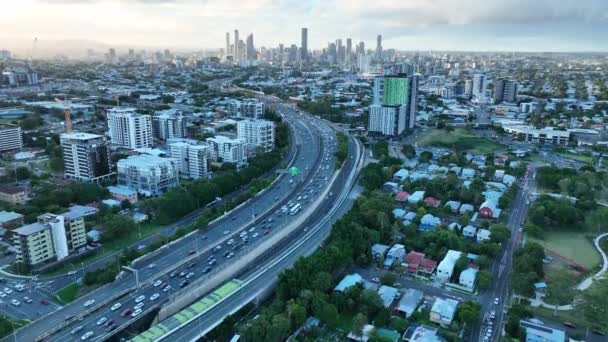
(573, 246)
(69, 293)
(460, 138)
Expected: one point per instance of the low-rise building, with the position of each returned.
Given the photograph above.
(416, 197)
(489, 209)
(13, 194)
(443, 311)
(422, 333)
(541, 136)
(348, 281)
(468, 277)
(401, 175)
(409, 302)
(469, 231)
(122, 193)
(483, 235)
(536, 331)
(10, 219)
(394, 254)
(388, 295)
(11, 139)
(148, 175)
(446, 266)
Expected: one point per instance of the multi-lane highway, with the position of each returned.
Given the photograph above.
(316, 145)
(494, 299)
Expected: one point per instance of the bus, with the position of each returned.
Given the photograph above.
(295, 209)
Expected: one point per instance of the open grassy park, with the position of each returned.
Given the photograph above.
(571, 245)
(460, 138)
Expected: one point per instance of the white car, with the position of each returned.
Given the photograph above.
(136, 312)
(251, 229)
(154, 296)
(227, 231)
(496, 301)
(167, 288)
(86, 335)
(89, 303)
(7, 290)
(2, 294)
(15, 302)
(102, 320)
(151, 266)
(115, 306)
(157, 283)
(71, 273)
(139, 306)
(255, 235)
(140, 298)
(243, 234)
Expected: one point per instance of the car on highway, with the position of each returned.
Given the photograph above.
(136, 313)
(173, 274)
(227, 231)
(71, 273)
(2, 294)
(15, 302)
(86, 335)
(189, 275)
(207, 270)
(151, 266)
(167, 288)
(242, 235)
(183, 273)
(101, 321)
(126, 312)
(266, 232)
(183, 284)
(496, 301)
(230, 242)
(154, 296)
(230, 255)
(44, 302)
(139, 306)
(255, 235)
(27, 300)
(252, 229)
(217, 248)
(140, 298)
(7, 290)
(212, 262)
(157, 283)
(111, 327)
(89, 303)
(76, 330)
(192, 252)
(116, 306)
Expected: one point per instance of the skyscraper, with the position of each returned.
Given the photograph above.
(236, 45)
(85, 156)
(281, 52)
(505, 90)
(250, 48)
(362, 47)
(129, 129)
(394, 105)
(304, 45)
(349, 49)
(480, 84)
(379, 47)
(227, 44)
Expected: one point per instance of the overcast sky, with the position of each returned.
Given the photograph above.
(511, 25)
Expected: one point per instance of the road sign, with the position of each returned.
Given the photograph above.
(294, 171)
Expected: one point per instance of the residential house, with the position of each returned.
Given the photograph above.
(122, 193)
(469, 231)
(453, 205)
(394, 254)
(401, 175)
(536, 331)
(432, 202)
(390, 187)
(427, 267)
(368, 329)
(466, 207)
(416, 197)
(508, 180)
(443, 311)
(489, 209)
(468, 278)
(422, 333)
(455, 225)
(13, 194)
(467, 173)
(456, 169)
(402, 196)
(412, 261)
(379, 250)
(388, 295)
(429, 222)
(348, 281)
(483, 235)
(10, 219)
(446, 266)
(399, 213)
(498, 174)
(409, 302)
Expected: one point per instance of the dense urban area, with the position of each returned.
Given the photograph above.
(285, 193)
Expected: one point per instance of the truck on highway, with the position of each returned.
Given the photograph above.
(295, 209)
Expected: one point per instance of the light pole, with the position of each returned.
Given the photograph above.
(136, 272)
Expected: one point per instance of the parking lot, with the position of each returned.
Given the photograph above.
(25, 300)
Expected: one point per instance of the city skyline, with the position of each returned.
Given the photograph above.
(472, 25)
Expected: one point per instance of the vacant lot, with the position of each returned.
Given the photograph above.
(571, 245)
(461, 139)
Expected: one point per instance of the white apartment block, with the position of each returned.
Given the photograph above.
(11, 138)
(191, 159)
(247, 108)
(129, 129)
(224, 149)
(387, 120)
(147, 174)
(541, 136)
(167, 126)
(257, 134)
(85, 157)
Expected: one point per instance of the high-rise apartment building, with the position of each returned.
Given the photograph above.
(191, 158)
(379, 47)
(246, 108)
(394, 105)
(236, 46)
(147, 174)
(85, 157)
(11, 138)
(505, 90)
(168, 125)
(480, 85)
(228, 52)
(225, 149)
(468, 88)
(304, 44)
(250, 49)
(349, 50)
(257, 134)
(129, 129)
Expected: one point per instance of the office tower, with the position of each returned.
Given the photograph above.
(379, 47)
(224, 149)
(362, 47)
(281, 52)
(236, 45)
(129, 129)
(111, 55)
(257, 134)
(293, 53)
(168, 125)
(51, 238)
(11, 138)
(505, 90)
(85, 157)
(250, 48)
(480, 85)
(304, 44)
(246, 108)
(191, 158)
(394, 104)
(167, 54)
(468, 88)
(333, 53)
(340, 51)
(147, 174)
(227, 44)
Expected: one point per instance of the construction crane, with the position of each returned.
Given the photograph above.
(66, 111)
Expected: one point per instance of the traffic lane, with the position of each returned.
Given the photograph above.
(32, 303)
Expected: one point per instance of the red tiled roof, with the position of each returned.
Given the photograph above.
(432, 201)
(428, 264)
(402, 195)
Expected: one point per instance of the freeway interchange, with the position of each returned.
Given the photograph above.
(199, 255)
